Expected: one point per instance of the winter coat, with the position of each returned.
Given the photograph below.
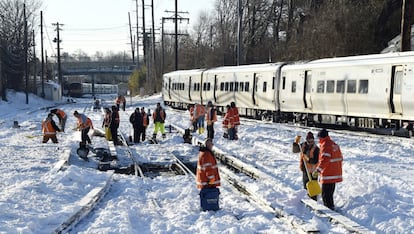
(136, 120)
(207, 169)
(211, 115)
(235, 115)
(311, 156)
(159, 115)
(330, 161)
(114, 119)
(49, 127)
(199, 111)
(84, 122)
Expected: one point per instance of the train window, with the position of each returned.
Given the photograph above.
(320, 86)
(273, 83)
(351, 86)
(363, 86)
(397, 82)
(221, 86)
(204, 86)
(246, 86)
(241, 86)
(264, 87)
(182, 86)
(330, 86)
(340, 86)
(283, 82)
(231, 86)
(236, 87)
(208, 86)
(226, 87)
(195, 87)
(293, 86)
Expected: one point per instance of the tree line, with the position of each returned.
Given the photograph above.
(271, 31)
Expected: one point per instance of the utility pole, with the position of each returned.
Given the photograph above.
(176, 36)
(174, 18)
(43, 62)
(25, 54)
(132, 42)
(144, 37)
(239, 29)
(153, 72)
(57, 40)
(34, 64)
(136, 8)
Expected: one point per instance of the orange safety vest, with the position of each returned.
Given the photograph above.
(311, 167)
(330, 161)
(228, 120)
(207, 170)
(162, 114)
(47, 127)
(144, 119)
(211, 115)
(200, 110)
(84, 122)
(61, 114)
(235, 115)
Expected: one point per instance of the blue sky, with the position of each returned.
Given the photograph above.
(102, 25)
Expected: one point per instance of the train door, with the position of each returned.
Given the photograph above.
(307, 102)
(255, 88)
(215, 89)
(396, 86)
(169, 87)
(189, 89)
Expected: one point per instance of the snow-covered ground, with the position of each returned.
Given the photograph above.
(35, 197)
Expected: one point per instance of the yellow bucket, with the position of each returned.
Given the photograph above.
(313, 188)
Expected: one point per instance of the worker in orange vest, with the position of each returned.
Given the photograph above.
(211, 118)
(208, 177)
(84, 125)
(145, 122)
(329, 167)
(49, 129)
(61, 116)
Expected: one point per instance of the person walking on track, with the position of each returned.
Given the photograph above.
(329, 167)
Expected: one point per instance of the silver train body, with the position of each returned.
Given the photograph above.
(80, 89)
(368, 91)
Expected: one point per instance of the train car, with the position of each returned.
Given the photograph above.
(369, 91)
(182, 88)
(253, 88)
(80, 89)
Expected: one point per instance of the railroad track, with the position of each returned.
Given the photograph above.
(231, 170)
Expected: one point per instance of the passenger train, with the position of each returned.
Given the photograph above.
(80, 89)
(366, 91)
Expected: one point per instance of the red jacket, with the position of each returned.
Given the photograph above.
(207, 170)
(330, 161)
